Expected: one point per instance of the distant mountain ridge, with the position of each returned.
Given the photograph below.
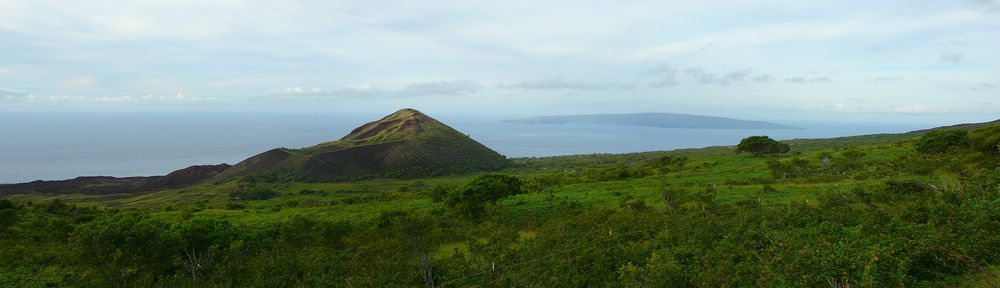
(661, 120)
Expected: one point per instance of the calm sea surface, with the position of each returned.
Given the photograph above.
(53, 146)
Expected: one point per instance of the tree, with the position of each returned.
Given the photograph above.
(488, 188)
(936, 142)
(761, 145)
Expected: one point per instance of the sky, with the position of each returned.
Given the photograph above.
(820, 60)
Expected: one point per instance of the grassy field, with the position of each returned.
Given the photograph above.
(581, 220)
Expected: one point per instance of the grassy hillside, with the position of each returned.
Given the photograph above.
(867, 211)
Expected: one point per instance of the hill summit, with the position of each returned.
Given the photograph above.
(406, 143)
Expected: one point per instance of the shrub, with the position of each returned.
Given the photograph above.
(484, 189)
(986, 140)
(935, 142)
(127, 248)
(8, 216)
(439, 192)
(761, 145)
(257, 193)
(668, 163)
(671, 197)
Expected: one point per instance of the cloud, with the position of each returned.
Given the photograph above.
(460, 87)
(665, 74)
(726, 78)
(981, 87)
(762, 78)
(4, 71)
(668, 76)
(558, 84)
(703, 77)
(11, 95)
(989, 6)
(950, 56)
(948, 51)
(800, 79)
(883, 79)
(419, 89)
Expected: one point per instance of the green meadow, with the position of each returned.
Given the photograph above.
(868, 211)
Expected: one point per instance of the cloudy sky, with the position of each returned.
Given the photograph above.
(839, 59)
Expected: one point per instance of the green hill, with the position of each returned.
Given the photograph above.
(406, 143)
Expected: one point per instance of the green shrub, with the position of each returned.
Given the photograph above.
(484, 189)
(761, 145)
(936, 142)
(255, 193)
(986, 140)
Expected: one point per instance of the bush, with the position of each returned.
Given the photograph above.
(472, 199)
(256, 193)
(936, 142)
(668, 163)
(8, 216)
(986, 140)
(129, 249)
(439, 192)
(761, 145)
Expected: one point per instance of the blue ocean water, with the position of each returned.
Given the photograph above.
(50, 146)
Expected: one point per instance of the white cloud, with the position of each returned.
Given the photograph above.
(417, 89)
(559, 84)
(801, 79)
(668, 76)
(948, 51)
(981, 87)
(665, 75)
(989, 6)
(732, 77)
(11, 95)
(168, 50)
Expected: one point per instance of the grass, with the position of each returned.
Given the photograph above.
(541, 216)
(734, 176)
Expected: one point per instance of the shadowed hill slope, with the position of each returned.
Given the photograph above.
(99, 185)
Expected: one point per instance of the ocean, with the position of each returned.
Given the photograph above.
(53, 146)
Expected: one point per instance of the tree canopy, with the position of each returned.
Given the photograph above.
(761, 145)
(488, 188)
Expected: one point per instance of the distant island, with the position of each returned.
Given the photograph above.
(661, 120)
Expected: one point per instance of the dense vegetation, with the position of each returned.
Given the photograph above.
(860, 212)
(761, 145)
